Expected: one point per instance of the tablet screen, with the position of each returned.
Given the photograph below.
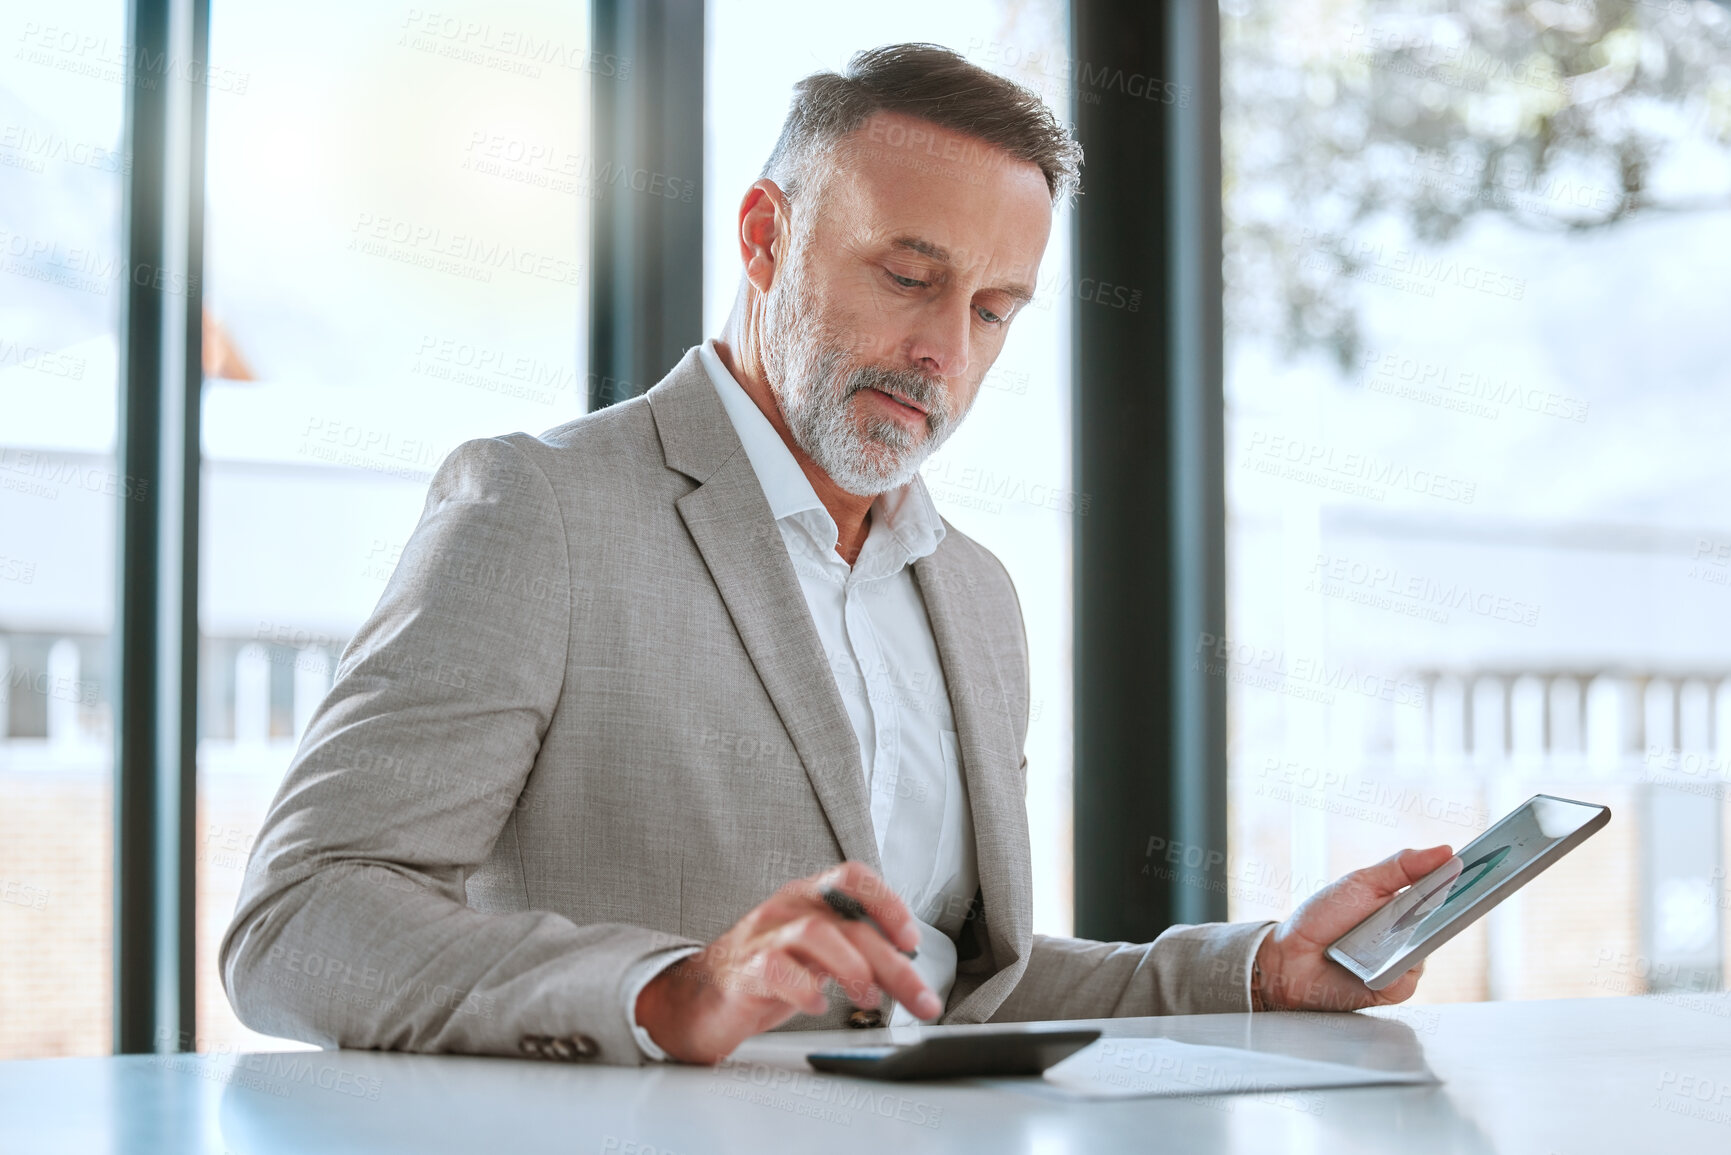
(1456, 890)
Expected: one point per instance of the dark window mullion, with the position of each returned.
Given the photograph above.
(156, 619)
(646, 251)
(1150, 723)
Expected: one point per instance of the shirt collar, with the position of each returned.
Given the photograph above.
(906, 512)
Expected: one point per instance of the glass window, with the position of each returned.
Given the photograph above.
(1476, 377)
(1004, 477)
(395, 263)
(62, 110)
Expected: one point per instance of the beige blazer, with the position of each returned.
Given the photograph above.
(590, 719)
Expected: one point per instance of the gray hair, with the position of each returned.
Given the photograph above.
(933, 84)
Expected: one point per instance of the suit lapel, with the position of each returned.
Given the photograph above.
(991, 765)
(730, 521)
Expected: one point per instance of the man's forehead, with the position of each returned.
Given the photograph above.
(968, 210)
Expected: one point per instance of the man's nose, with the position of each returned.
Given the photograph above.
(940, 343)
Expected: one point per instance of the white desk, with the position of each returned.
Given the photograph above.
(1614, 1075)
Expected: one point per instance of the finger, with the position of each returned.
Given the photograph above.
(776, 975)
(861, 962)
(867, 887)
(893, 972)
(797, 898)
(819, 943)
(1402, 988)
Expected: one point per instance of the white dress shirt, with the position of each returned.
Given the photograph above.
(879, 646)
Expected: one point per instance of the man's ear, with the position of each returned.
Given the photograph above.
(764, 227)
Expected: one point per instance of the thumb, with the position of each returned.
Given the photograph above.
(1344, 903)
(1399, 871)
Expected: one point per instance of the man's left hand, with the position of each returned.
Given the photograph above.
(1298, 975)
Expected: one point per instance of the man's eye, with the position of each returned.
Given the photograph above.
(906, 282)
(988, 316)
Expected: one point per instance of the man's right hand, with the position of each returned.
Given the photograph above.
(774, 963)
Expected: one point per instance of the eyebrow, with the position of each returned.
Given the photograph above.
(1022, 293)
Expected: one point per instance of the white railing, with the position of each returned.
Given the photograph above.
(1601, 722)
(78, 710)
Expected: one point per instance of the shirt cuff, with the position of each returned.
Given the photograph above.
(635, 980)
(1250, 971)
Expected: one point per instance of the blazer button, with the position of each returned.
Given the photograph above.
(863, 1018)
(530, 1045)
(583, 1047)
(561, 1049)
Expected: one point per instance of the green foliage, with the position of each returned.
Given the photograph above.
(1345, 119)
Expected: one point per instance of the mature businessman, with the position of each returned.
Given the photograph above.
(642, 686)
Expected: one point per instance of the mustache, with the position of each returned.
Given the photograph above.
(927, 392)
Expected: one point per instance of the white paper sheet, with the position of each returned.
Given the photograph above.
(1138, 1068)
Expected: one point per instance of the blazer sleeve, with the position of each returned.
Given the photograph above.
(1188, 970)
(352, 927)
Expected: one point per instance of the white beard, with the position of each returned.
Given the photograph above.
(806, 363)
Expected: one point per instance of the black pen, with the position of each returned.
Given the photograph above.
(849, 908)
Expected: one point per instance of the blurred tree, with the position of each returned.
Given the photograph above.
(1348, 121)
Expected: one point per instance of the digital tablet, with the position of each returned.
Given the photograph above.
(1413, 923)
